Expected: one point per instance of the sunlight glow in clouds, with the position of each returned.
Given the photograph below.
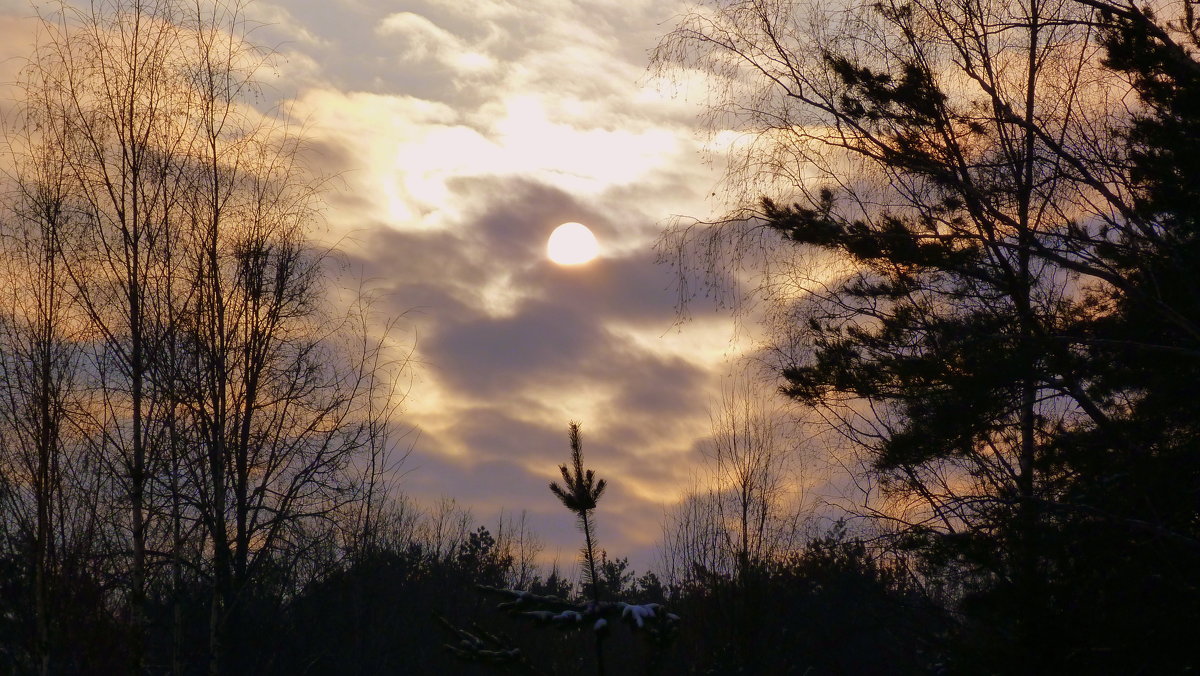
(407, 152)
(458, 133)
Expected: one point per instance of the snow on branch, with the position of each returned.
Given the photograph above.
(650, 617)
(483, 646)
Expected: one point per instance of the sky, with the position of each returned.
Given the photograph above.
(460, 133)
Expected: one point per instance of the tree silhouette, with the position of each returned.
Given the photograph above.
(579, 493)
(184, 410)
(980, 269)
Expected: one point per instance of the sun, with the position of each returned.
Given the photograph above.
(572, 244)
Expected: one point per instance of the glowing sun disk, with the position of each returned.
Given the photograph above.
(572, 244)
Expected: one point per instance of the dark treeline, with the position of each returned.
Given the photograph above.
(977, 254)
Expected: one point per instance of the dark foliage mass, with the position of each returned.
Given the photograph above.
(831, 609)
(1083, 556)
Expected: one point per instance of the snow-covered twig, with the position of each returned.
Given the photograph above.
(650, 617)
(484, 647)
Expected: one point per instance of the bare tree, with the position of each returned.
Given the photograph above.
(750, 462)
(745, 512)
(106, 78)
(239, 411)
(517, 542)
(41, 368)
(748, 503)
(284, 393)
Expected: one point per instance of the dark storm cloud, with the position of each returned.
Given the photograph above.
(492, 433)
(557, 343)
(509, 218)
(644, 402)
(505, 223)
(492, 484)
(406, 257)
(558, 335)
(667, 387)
(632, 288)
(504, 233)
(543, 343)
(418, 275)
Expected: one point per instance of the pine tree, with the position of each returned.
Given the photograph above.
(579, 493)
(1010, 331)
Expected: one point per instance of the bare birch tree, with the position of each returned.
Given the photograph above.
(41, 371)
(107, 78)
(234, 399)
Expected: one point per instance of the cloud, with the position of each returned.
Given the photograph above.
(458, 134)
(422, 41)
(17, 33)
(512, 347)
(543, 344)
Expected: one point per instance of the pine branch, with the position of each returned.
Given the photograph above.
(482, 646)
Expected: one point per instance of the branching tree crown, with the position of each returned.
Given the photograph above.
(999, 188)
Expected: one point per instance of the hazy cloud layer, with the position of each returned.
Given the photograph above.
(461, 132)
